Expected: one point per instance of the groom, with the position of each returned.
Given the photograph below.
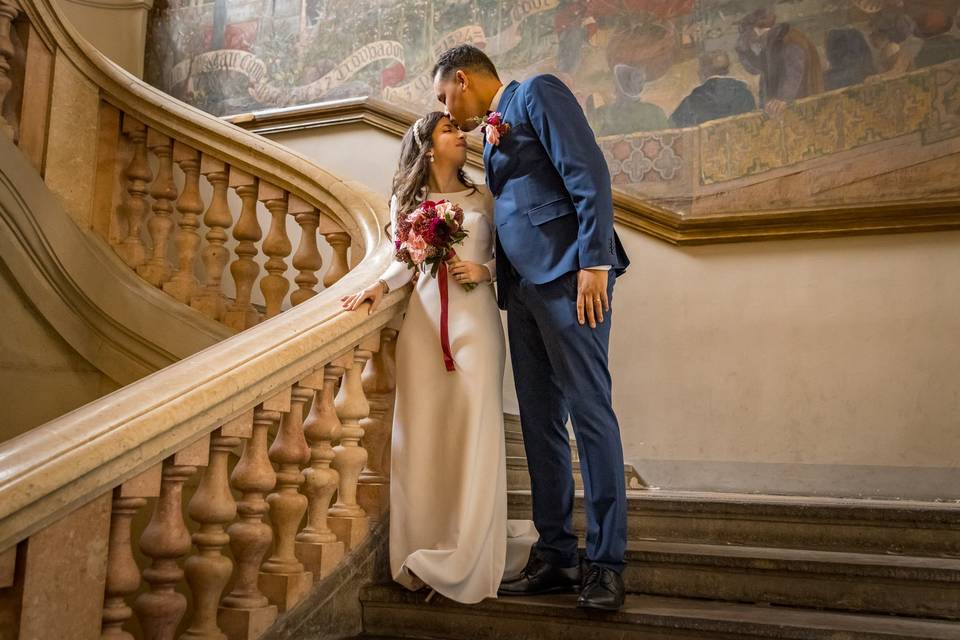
(557, 260)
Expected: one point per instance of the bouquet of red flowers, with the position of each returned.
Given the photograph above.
(426, 236)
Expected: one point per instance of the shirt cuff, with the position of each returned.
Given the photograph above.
(492, 269)
(600, 267)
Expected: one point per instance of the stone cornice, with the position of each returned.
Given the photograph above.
(633, 212)
(115, 5)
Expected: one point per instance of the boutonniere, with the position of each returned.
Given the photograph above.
(493, 127)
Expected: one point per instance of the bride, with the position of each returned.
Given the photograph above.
(448, 489)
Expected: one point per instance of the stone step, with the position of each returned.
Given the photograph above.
(868, 583)
(389, 610)
(519, 478)
(832, 524)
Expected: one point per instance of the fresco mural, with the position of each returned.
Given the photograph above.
(702, 106)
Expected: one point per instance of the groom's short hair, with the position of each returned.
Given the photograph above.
(465, 57)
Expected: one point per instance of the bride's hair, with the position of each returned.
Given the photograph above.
(413, 171)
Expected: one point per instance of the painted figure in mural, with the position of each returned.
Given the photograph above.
(641, 33)
(890, 36)
(558, 258)
(849, 58)
(933, 25)
(783, 56)
(574, 28)
(718, 95)
(628, 113)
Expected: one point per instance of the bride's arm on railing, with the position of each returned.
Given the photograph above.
(396, 276)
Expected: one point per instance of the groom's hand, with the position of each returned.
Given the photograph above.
(592, 298)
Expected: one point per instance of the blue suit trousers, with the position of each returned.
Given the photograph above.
(560, 371)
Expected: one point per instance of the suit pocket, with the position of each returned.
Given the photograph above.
(551, 211)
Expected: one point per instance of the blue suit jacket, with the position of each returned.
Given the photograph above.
(554, 202)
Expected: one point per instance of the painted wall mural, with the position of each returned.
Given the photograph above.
(703, 106)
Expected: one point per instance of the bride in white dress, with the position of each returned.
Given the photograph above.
(448, 488)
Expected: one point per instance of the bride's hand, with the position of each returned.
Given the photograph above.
(466, 272)
(374, 293)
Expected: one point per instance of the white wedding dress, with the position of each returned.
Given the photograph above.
(448, 485)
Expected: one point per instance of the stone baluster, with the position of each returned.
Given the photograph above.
(184, 284)
(277, 246)
(339, 241)
(61, 578)
(282, 577)
(245, 612)
(307, 259)
(213, 508)
(123, 575)
(8, 11)
(210, 299)
(347, 518)
(373, 492)
(137, 175)
(317, 545)
(156, 270)
(8, 567)
(165, 540)
(241, 314)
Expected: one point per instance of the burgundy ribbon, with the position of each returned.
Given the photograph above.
(444, 312)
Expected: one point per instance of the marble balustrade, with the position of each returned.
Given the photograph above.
(205, 500)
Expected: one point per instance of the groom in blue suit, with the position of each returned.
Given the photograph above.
(558, 258)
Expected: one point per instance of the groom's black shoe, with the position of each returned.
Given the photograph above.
(540, 576)
(602, 589)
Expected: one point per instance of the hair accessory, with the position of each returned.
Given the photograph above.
(416, 132)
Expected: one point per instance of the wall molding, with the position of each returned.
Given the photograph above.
(633, 212)
(114, 5)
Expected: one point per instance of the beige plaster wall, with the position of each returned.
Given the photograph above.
(825, 366)
(118, 28)
(41, 376)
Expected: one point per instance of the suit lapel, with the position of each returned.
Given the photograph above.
(486, 156)
(507, 96)
(488, 149)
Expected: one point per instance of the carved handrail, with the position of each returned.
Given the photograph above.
(59, 465)
(207, 134)
(86, 474)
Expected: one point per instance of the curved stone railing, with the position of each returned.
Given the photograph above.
(126, 161)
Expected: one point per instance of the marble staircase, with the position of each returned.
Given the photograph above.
(718, 566)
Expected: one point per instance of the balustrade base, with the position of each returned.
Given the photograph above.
(350, 530)
(240, 319)
(320, 558)
(182, 288)
(210, 303)
(374, 497)
(246, 624)
(285, 589)
(155, 274)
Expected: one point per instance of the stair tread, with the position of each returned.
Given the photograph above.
(780, 557)
(868, 508)
(682, 612)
